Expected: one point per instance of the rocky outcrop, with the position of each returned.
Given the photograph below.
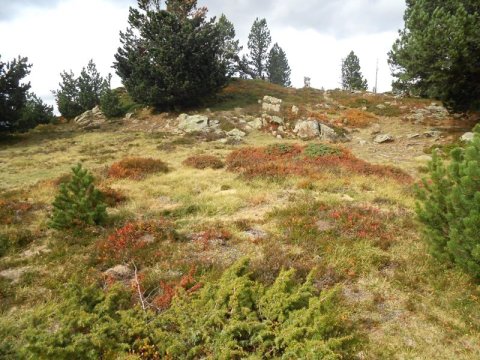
(91, 119)
(467, 137)
(307, 129)
(271, 104)
(195, 123)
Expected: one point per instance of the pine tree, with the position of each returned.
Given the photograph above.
(230, 46)
(449, 207)
(78, 203)
(110, 104)
(278, 69)
(436, 55)
(171, 58)
(352, 78)
(79, 94)
(13, 93)
(259, 41)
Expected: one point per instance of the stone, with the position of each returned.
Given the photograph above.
(362, 142)
(307, 129)
(256, 124)
(413, 136)
(91, 119)
(271, 104)
(431, 134)
(128, 116)
(381, 139)
(467, 137)
(119, 272)
(279, 137)
(295, 110)
(193, 123)
(277, 120)
(381, 106)
(235, 133)
(327, 133)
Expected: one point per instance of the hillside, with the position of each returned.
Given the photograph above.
(282, 195)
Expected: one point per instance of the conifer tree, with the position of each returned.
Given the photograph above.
(259, 41)
(171, 58)
(78, 203)
(278, 70)
(449, 207)
(437, 52)
(230, 46)
(352, 78)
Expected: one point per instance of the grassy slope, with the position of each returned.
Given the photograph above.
(407, 304)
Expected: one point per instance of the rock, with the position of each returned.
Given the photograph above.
(307, 129)
(91, 119)
(271, 104)
(192, 123)
(327, 133)
(119, 272)
(277, 120)
(381, 139)
(364, 108)
(432, 134)
(381, 106)
(128, 116)
(279, 136)
(362, 142)
(295, 110)
(413, 136)
(256, 124)
(235, 133)
(467, 137)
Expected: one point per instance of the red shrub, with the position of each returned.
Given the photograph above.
(112, 197)
(204, 161)
(125, 244)
(205, 238)
(136, 168)
(284, 160)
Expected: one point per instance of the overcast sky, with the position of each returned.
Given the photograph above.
(61, 35)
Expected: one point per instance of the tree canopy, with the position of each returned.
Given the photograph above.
(259, 41)
(437, 52)
(175, 56)
(278, 70)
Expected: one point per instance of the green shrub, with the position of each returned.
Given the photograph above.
(318, 150)
(78, 203)
(449, 207)
(233, 318)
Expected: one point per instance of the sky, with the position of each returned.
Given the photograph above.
(59, 35)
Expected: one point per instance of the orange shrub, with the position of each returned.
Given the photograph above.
(126, 244)
(112, 197)
(359, 118)
(203, 162)
(284, 160)
(136, 168)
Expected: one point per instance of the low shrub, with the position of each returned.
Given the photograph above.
(234, 317)
(136, 168)
(204, 161)
(78, 203)
(13, 211)
(358, 118)
(305, 161)
(112, 197)
(129, 243)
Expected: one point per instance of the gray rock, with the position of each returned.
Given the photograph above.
(295, 110)
(327, 133)
(381, 106)
(128, 116)
(307, 129)
(193, 123)
(235, 133)
(381, 139)
(467, 137)
(91, 118)
(271, 104)
(277, 120)
(256, 124)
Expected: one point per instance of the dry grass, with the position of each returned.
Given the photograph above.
(203, 162)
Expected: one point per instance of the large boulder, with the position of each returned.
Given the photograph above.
(91, 118)
(327, 133)
(271, 104)
(467, 137)
(307, 129)
(193, 123)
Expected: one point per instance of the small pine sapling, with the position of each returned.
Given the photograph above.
(78, 203)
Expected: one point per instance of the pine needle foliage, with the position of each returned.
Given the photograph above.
(78, 203)
(449, 207)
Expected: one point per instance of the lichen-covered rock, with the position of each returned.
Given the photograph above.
(307, 129)
(271, 104)
(193, 123)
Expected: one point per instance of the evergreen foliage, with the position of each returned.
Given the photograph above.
(77, 95)
(233, 318)
(110, 104)
(436, 54)
(173, 57)
(231, 48)
(259, 41)
(278, 70)
(449, 207)
(78, 203)
(352, 78)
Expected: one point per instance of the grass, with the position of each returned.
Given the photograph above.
(356, 227)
